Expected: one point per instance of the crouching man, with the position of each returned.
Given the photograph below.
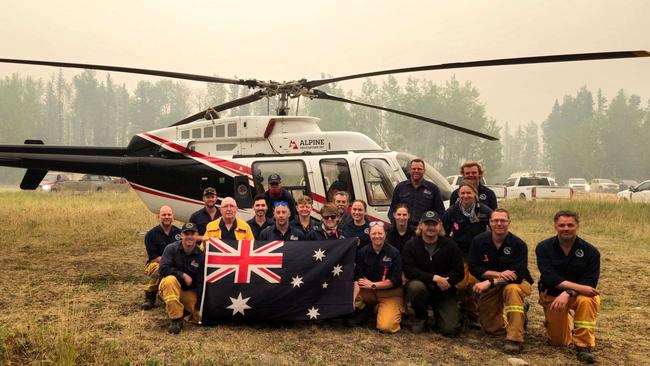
(433, 265)
(181, 269)
(500, 259)
(570, 269)
(378, 280)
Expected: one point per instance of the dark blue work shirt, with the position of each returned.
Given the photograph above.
(397, 240)
(351, 230)
(156, 240)
(581, 265)
(426, 197)
(257, 229)
(318, 233)
(175, 262)
(377, 267)
(272, 233)
(459, 227)
(512, 255)
(286, 197)
(312, 222)
(202, 218)
(228, 234)
(486, 196)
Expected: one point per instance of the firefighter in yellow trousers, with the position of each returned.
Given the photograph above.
(570, 269)
(500, 259)
(181, 269)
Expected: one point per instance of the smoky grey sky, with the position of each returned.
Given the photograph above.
(286, 40)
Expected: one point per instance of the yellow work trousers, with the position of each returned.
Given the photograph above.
(153, 276)
(176, 300)
(389, 307)
(501, 310)
(575, 323)
(465, 294)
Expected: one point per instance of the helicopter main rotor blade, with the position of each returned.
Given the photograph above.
(132, 70)
(222, 107)
(322, 95)
(497, 62)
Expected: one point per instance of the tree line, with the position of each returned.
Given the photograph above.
(583, 136)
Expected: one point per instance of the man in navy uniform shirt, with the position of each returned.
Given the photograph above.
(208, 213)
(155, 242)
(260, 221)
(570, 269)
(281, 230)
(418, 194)
(275, 193)
(472, 172)
(500, 259)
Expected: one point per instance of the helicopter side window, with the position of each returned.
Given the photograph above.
(293, 173)
(379, 181)
(232, 130)
(220, 131)
(185, 135)
(196, 133)
(336, 177)
(207, 132)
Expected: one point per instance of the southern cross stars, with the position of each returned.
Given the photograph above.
(296, 281)
(238, 305)
(319, 254)
(337, 270)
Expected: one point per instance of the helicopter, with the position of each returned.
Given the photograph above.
(173, 165)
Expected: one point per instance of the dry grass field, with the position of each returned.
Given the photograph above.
(71, 269)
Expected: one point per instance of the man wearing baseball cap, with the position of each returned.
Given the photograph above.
(275, 193)
(433, 265)
(181, 269)
(208, 213)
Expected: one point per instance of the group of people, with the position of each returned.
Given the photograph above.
(463, 263)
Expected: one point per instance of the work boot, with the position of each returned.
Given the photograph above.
(585, 355)
(175, 326)
(149, 301)
(512, 347)
(419, 326)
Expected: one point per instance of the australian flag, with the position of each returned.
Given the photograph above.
(251, 280)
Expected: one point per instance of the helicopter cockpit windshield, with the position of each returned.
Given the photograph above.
(430, 173)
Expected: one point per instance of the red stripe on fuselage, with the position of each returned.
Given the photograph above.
(231, 166)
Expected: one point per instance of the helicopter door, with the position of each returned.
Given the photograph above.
(293, 173)
(336, 177)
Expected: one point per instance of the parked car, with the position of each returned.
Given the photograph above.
(499, 190)
(639, 193)
(94, 183)
(601, 185)
(534, 188)
(579, 185)
(625, 184)
(52, 180)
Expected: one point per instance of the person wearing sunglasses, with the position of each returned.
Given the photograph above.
(304, 222)
(500, 260)
(433, 265)
(276, 193)
(328, 229)
(281, 230)
(358, 226)
(378, 280)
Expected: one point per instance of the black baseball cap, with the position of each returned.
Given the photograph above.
(208, 191)
(274, 178)
(189, 226)
(430, 216)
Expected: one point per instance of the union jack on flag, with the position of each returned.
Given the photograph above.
(223, 259)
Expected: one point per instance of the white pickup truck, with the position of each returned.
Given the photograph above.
(534, 188)
(499, 190)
